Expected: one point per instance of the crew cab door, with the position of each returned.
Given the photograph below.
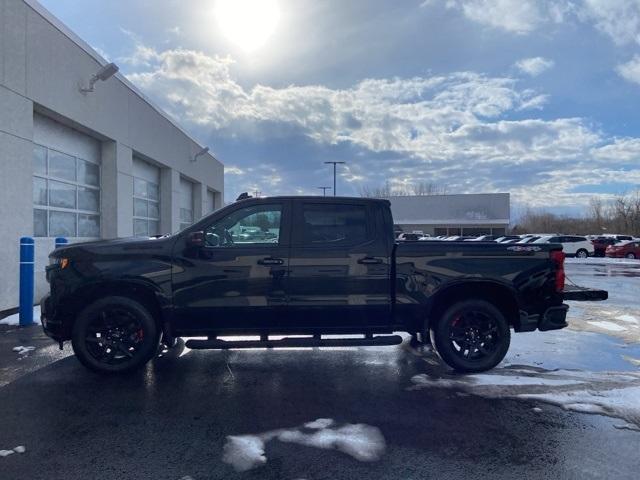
(338, 267)
(236, 280)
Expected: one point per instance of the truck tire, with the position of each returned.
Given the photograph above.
(115, 335)
(471, 336)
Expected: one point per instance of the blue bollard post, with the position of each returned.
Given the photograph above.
(26, 281)
(61, 241)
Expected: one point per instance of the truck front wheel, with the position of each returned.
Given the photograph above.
(471, 336)
(114, 335)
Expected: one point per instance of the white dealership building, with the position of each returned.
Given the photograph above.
(461, 214)
(84, 164)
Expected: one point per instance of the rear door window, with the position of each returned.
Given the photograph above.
(326, 224)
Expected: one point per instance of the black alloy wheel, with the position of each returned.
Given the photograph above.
(115, 334)
(471, 336)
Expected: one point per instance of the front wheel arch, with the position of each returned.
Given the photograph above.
(136, 291)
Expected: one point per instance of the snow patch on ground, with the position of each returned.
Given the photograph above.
(18, 449)
(608, 393)
(603, 261)
(244, 452)
(612, 327)
(22, 350)
(15, 318)
(362, 442)
(319, 423)
(621, 403)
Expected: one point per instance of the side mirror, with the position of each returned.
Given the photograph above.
(196, 239)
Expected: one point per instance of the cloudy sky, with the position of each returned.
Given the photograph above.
(534, 97)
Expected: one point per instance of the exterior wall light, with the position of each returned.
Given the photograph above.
(105, 73)
(200, 153)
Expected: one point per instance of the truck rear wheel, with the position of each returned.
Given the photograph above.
(471, 336)
(115, 335)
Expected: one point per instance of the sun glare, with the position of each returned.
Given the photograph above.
(247, 23)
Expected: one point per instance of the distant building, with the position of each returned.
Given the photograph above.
(464, 214)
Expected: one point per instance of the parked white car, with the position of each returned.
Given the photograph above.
(617, 236)
(572, 245)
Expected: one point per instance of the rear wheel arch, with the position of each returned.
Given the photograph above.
(500, 296)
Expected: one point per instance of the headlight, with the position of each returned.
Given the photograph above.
(63, 262)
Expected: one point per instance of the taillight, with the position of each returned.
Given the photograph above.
(558, 257)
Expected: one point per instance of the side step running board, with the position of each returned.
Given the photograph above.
(289, 342)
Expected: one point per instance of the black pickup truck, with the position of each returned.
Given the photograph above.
(302, 267)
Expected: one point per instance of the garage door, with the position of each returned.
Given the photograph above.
(146, 198)
(211, 201)
(66, 181)
(186, 203)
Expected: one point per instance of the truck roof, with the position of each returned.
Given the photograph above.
(317, 198)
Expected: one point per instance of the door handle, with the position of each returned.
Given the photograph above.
(370, 261)
(270, 261)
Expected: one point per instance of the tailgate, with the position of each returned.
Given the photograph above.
(582, 294)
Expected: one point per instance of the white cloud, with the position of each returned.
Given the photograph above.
(631, 70)
(102, 53)
(516, 16)
(454, 130)
(619, 19)
(519, 16)
(626, 149)
(534, 66)
(231, 170)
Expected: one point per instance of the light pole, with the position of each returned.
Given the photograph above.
(334, 174)
(324, 190)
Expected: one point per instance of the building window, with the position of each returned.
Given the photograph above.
(66, 195)
(186, 203)
(146, 208)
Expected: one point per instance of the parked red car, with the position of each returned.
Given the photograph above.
(600, 245)
(628, 249)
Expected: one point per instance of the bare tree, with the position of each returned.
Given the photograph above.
(621, 215)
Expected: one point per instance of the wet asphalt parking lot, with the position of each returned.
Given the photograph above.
(374, 412)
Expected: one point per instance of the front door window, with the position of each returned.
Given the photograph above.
(251, 226)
